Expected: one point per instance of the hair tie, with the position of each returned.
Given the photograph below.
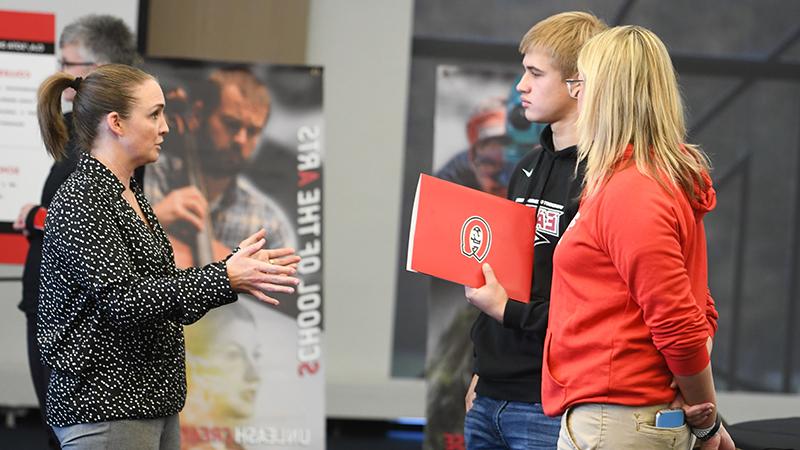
(76, 83)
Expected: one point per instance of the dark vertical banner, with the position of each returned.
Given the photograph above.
(27, 57)
(245, 152)
(479, 134)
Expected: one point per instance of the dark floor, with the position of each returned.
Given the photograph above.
(28, 433)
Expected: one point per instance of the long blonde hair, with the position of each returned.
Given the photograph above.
(631, 96)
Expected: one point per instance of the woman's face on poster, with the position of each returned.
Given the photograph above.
(232, 364)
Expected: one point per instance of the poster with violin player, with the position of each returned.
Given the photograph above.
(245, 152)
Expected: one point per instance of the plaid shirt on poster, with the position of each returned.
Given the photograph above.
(241, 210)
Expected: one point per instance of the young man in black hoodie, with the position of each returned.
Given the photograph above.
(504, 401)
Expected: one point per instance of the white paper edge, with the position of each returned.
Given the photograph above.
(413, 227)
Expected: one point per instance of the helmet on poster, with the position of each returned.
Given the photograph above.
(486, 132)
(488, 121)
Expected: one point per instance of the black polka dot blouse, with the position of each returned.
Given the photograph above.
(112, 304)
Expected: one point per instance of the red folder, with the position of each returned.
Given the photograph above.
(455, 229)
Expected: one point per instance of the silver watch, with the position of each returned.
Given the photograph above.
(705, 434)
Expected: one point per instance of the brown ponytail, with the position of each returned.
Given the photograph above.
(109, 88)
(51, 120)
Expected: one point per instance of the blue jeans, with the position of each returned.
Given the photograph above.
(496, 424)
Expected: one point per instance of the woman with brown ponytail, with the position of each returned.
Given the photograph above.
(84, 45)
(112, 303)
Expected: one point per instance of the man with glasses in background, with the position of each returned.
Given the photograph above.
(92, 41)
(198, 189)
(86, 44)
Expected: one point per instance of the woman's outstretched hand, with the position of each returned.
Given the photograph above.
(249, 273)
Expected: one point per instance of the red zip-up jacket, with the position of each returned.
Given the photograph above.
(630, 304)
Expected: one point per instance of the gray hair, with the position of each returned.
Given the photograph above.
(105, 38)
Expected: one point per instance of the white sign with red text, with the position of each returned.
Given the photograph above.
(27, 57)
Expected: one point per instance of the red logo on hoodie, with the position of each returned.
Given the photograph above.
(476, 238)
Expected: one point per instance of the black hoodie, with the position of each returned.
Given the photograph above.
(508, 356)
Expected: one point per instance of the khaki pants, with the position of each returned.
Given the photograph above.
(598, 426)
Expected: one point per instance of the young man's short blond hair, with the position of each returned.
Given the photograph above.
(562, 35)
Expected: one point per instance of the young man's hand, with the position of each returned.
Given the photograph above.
(470, 397)
(491, 298)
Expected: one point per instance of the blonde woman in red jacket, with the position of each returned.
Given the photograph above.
(630, 309)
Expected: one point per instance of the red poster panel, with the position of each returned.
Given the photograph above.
(27, 27)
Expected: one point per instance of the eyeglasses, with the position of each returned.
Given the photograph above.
(63, 63)
(234, 125)
(572, 84)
